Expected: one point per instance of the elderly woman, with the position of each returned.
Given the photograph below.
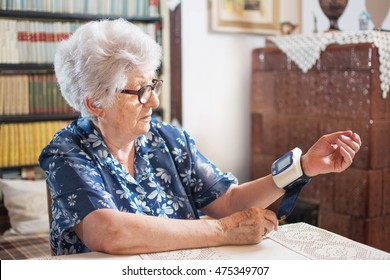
(123, 182)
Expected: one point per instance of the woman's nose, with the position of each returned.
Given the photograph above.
(153, 101)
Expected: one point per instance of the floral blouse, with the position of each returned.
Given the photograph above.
(172, 178)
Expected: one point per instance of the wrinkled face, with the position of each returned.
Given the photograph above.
(128, 115)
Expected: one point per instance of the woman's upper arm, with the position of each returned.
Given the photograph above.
(94, 229)
(220, 207)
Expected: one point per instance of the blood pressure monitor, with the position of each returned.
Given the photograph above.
(287, 169)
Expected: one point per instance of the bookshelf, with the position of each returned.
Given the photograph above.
(26, 67)
(41, 15)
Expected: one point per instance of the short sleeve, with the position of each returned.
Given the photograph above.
(74, 180)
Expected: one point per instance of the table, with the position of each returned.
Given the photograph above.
(298, 241)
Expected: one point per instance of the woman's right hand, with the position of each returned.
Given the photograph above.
(248, 226)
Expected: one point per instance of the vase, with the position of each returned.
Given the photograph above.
(333, 9)
(378, 10)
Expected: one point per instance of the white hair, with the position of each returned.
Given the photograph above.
(95, 60)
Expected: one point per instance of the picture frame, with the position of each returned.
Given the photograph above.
(254, 16)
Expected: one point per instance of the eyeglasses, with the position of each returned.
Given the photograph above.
(145, 92)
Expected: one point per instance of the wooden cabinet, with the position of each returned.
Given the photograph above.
(342, 91)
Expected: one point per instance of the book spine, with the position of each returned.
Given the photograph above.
(7, 94)
(38, 134)
(30, 142)
(154, 8)
(2, 94)
(17, 93)
(31, 99)
(40, 95)
(20, 140)
(12, 145)
(6, 140)
(56, 94)
(25, 97)
(45, 96)
(3, 145)
(35, 95)
(49, 94)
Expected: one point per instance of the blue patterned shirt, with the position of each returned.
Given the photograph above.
(171, 178)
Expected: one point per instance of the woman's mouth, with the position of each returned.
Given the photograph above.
(147, 117)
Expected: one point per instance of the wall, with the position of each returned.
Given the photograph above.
(216, 86)
(216, 80)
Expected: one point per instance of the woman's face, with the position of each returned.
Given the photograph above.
(128, 115)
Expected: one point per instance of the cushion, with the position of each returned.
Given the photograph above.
(26, 203)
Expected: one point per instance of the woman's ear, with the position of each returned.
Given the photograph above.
(96, 111)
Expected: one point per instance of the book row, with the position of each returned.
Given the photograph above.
(22, 143)
(31, 94)
(102, 7)
(36, 41)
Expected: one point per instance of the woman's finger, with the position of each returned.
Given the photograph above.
(270, 216)
(350, 150)
(347, 158)
(350, 142)
(357, 139)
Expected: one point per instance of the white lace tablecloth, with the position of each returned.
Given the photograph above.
(320, 244)
(304, 49)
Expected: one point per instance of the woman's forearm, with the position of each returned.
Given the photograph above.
(117, 232)
(258, 193)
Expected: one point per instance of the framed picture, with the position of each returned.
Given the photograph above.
(254, 16)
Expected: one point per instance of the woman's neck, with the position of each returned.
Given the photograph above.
(123, 149)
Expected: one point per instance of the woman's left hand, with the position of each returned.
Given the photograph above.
(331, 153)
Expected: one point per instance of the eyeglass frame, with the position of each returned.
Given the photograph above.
(142, 90)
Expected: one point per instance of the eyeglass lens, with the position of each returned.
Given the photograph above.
(146, 92)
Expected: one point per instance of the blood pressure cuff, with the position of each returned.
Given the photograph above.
(290, 197)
